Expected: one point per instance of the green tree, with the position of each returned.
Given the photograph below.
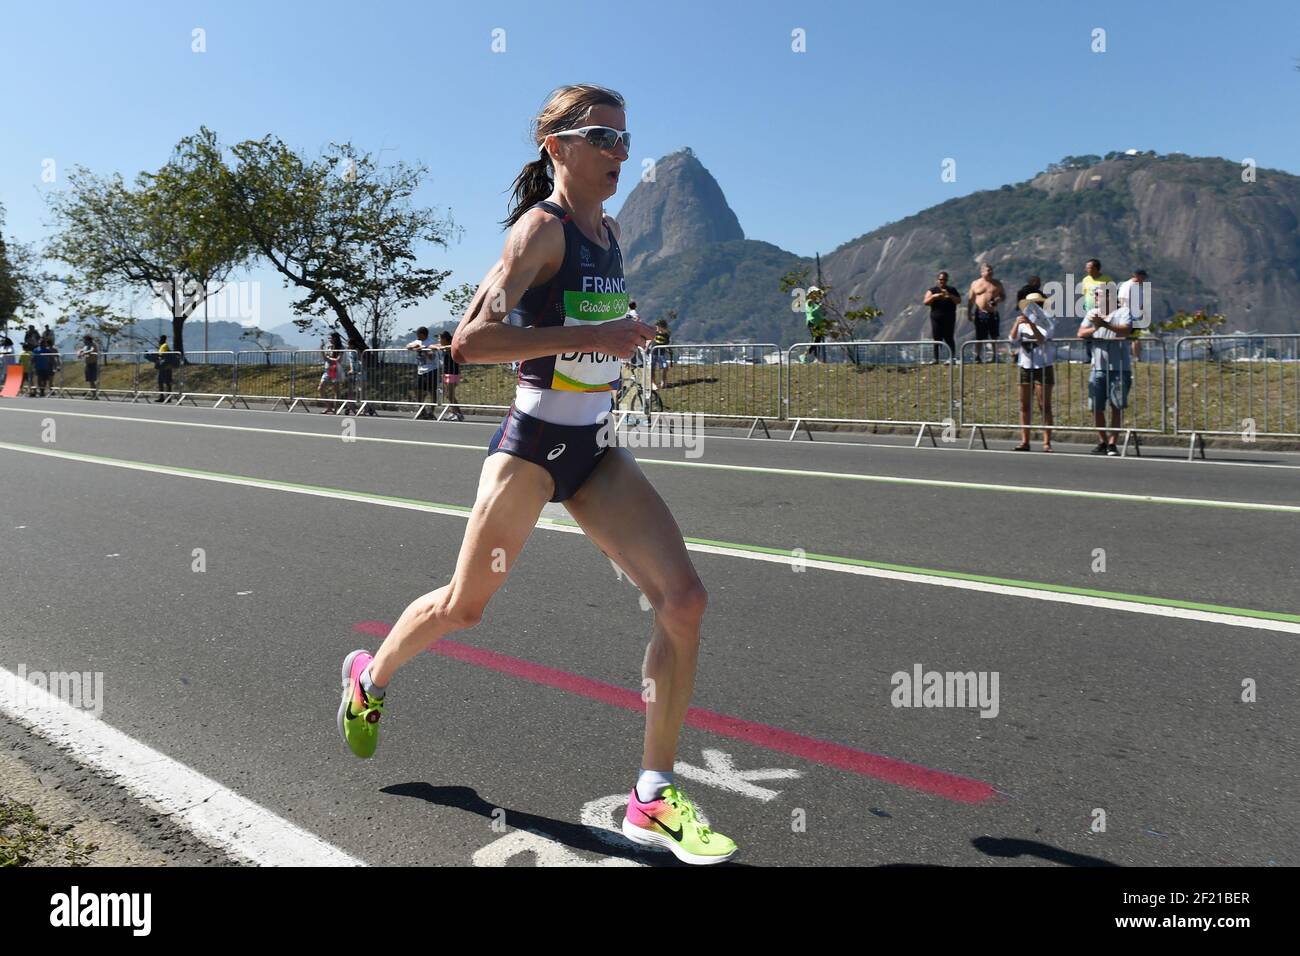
(164, 236)
(338, 227)
(102, 322)
(1195, 323)
(263, 340)
(846, 321)
(22, 280)
(460, 297)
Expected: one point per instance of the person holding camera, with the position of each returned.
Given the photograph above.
(1031, 339)
(943, 300)
(1112, 371)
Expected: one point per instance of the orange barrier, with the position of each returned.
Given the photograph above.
(13, 381)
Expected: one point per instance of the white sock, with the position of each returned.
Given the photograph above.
(651, 783)
(376, 693)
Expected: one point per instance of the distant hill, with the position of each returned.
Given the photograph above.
(1207, 239)
(222, 336)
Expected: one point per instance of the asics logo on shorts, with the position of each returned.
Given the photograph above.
(555, 452)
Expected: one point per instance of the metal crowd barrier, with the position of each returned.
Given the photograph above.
(723, 380)
(391, 379)
(869, 383)
(483, 387)
(119, 375)
(207, 375)
(265, 375)
(988, 395)
(1245, 385)
(325, 377)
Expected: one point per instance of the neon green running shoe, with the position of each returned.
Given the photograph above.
(670, 822)
(359, 713)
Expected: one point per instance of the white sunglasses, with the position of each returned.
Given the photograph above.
(602, 137)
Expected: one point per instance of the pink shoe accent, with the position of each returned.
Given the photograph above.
(359, 664)
(639, 813)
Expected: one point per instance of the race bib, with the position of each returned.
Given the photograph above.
(589, 371)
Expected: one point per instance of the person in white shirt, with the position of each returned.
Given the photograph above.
(1031, 337)
(1112, 370)
(426, 371)
(1134, 295)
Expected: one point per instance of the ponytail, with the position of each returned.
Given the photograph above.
(531, 186)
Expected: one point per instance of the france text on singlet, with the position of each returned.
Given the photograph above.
(573, 388)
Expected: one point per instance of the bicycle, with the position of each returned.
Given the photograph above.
(632, 395)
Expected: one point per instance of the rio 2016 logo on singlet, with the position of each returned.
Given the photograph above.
(590, 371)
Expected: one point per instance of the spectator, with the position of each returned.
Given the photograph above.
(89, 356)
(426, 371)
(45, 362)
(1031, 336)
(986, 293)
(632, 312)
(943, 300)
(7, 357)
(332, 374)
(1032, 284)
(31, 339)
(1092, 278)
(664, 337)
(29, 379)
(450, 374)
(1111, 376)
(815, 312)
(163, 361)
(1133, 295)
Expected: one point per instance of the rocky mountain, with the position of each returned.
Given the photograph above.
(1208, 239)
(683, 208)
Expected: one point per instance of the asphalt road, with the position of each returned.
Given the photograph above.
(1109, 704)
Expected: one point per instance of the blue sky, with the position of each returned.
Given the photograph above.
(812, 149)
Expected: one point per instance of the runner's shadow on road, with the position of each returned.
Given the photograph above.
(1013, 847)
(575, 836)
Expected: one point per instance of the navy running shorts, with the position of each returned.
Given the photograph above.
(569, 453)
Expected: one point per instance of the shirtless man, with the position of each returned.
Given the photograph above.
(982, 302)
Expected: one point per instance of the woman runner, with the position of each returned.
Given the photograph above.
(561, 275)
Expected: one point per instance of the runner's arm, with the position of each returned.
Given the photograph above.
(533, 251)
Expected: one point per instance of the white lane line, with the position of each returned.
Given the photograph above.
(1178, 459)
(552, 524)
(215, 814)
(752, 469)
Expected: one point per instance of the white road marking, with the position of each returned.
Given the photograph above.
(215, 814)
(550, 524)
(720, 771)
(753, 469)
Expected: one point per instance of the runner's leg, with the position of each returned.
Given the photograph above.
(511, 494)
(623, 515)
